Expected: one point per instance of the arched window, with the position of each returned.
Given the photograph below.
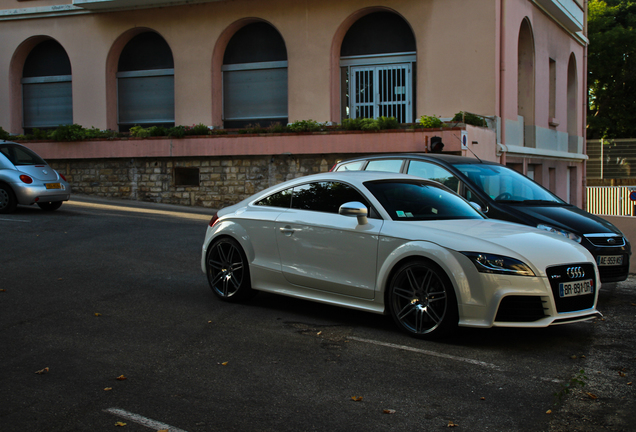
(145, 83)
(47, 98)
(377, 60)
(255, 77)
(525, 82)
(573, 101)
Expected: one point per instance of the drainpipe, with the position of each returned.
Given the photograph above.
(502, 75)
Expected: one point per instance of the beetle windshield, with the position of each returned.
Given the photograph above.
(503, 184)
(416, 201)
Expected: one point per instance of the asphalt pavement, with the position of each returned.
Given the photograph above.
(107, 323)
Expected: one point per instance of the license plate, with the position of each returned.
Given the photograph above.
(576, 288)
(53, 186)
(610, 260)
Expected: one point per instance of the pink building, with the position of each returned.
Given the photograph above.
(112, 64)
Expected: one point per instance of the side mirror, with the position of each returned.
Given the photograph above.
(478, 207)
(357, 209)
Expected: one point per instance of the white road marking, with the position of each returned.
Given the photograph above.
(14, 220)
(430, 353)
(136, 418)
(141, 210)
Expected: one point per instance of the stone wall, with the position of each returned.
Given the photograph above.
(212, 182)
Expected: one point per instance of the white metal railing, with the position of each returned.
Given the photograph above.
(611, 200)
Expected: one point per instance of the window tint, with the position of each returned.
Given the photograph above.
(21, 156)
(279, 199)
(387, 165)
(324, 196)
(412, 201)
(434, 172)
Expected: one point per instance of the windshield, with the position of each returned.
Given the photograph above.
(503, 184)
(416, 201)
(19, 155)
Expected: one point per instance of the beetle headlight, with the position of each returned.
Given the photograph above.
(489, 263)
(564, 233)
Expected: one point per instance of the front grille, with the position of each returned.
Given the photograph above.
(571, 273)
(521, 309)
(606, 240)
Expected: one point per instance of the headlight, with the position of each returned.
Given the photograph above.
(489, 263)
(568, 234)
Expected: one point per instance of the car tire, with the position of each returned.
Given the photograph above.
(421, 300)
(8, 201)
(228, 270)
(50, 206)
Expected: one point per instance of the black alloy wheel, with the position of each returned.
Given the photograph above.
(422, 300)
(228, 270)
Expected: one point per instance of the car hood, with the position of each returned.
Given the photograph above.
(533, 246)
(567, 217)
(39, 172)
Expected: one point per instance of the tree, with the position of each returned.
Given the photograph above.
(612, 69)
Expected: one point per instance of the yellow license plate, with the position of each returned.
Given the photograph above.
(53, 186)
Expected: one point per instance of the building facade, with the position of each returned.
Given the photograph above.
(113, 64)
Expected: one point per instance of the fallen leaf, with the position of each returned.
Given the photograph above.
(573, 357)
(548, 412)
(43, 371)
(591, 395)
(319, 333)
(621, 373)
(3, 290)
(121, 378)
(120, 424)
(629, 383)
(482, 398)
(224, 363)
(356, 398)
(97, 314)
(451, 424)
(108, 389)
(389, 411)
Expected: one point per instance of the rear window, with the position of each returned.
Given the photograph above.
(19, 155)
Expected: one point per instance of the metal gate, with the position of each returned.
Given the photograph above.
(381, 91)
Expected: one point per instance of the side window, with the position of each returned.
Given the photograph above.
(387, 165)
(351, 166)
(324, 196)
(434, 172)
(279, 199)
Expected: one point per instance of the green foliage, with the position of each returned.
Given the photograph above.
(577, 380)
(368, 124)
(276, 128)
(611, 69)
(199, 129)
(139, 132)
(428, 122)
(4, 135)
(304, 126)
(175, 132)
(471, 119)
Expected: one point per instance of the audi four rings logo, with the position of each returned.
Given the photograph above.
(575, 272)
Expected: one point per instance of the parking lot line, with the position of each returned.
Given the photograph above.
(136, 418)
(429, 353)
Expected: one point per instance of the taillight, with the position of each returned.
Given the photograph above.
(62, 175)
(26, 179)
(214, 219)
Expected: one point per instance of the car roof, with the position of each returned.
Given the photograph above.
(442, 157)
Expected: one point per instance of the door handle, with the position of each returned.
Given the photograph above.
(287, 230)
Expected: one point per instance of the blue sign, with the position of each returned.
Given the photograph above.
(632, 196)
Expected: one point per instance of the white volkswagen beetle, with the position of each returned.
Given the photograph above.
(399, 245)
(25, 178)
